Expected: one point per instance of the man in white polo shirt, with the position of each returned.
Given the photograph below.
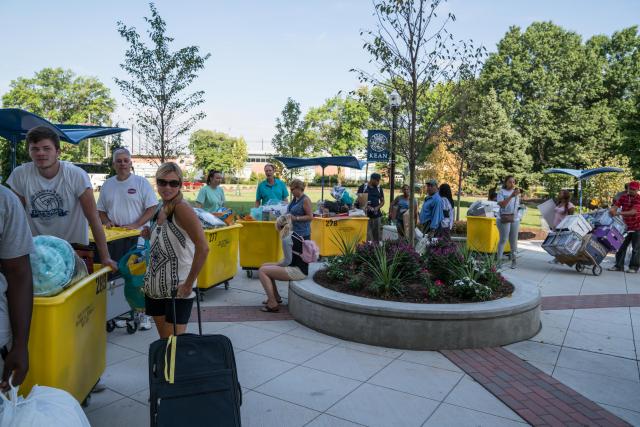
(126, 200)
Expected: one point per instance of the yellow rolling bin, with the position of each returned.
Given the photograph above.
(222, 262)
(68, 341)
(327, 232)
(483, 236)
(259, 243)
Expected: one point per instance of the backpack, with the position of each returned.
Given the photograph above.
(310, 251)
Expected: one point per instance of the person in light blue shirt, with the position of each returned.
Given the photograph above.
(271, 188)
(211, 196)
(431, 215)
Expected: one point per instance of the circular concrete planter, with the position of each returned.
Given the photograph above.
(417, 326)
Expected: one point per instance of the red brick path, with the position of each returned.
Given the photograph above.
(590, 301)
(538, 398)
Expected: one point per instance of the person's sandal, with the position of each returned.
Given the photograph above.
(267, 309)
(265, 302)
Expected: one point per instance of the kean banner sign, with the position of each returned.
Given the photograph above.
(378, 142)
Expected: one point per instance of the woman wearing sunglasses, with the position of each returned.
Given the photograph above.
(178, 252)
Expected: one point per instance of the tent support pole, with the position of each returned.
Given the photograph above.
(322, 196)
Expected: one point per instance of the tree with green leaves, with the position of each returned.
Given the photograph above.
(336, 126)
(619, 61)
(292, 138)
(61, 96)
(158, 83)
(551, 86)
(414, 52)
(217, 150)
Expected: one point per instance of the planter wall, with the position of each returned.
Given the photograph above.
(417, 326)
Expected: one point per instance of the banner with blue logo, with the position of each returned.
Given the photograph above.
(378, 142)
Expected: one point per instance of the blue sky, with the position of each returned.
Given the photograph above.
(262, 51)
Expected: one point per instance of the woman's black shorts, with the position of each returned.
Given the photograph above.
(164, 307)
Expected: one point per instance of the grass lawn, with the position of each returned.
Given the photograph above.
(241, 204)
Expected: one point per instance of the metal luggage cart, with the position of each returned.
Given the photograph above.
(581, 261)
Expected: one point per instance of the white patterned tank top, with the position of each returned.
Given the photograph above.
(170, 258)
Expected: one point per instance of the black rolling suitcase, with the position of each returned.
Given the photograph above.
(193, 381)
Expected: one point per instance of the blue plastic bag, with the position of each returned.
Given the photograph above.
(53, 264)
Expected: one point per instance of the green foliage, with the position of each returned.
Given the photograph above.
(60, 96)
(470, 289)
(385, 272)
(217, 150)
(292, 138)
(157, 86)
(551, 86)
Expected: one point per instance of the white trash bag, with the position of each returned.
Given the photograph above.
(44, 407)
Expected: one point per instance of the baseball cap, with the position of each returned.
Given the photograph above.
(432, 182)
(634, 185)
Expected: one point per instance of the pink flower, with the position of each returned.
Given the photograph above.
(439, 282)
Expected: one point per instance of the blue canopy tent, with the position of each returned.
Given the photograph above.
(341, 161)
(583, 174)
(15, 123)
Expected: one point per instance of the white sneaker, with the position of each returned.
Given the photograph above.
(145, 322)
(121, 323)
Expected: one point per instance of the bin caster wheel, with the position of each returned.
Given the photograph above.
(579, 267)
(111, 325)
(249, 274)
(597, 270)
(201, 296)
(85, 403)
(132, 328)
(226, 286)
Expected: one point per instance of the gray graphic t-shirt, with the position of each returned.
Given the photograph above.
(52, 205)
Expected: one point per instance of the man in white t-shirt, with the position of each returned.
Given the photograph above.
(16, 289)
(127, 200)
(58, 195)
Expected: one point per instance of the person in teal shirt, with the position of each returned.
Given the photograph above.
(211, 196)
(271, 188)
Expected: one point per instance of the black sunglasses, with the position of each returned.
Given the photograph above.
(163, 183)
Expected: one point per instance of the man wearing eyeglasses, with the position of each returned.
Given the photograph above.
(57, 195)
(126, 200)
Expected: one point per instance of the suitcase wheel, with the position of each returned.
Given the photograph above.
(597, 270)
(111, 325)
(132, 328)
(579, 267)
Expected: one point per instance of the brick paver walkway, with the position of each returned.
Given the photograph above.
(537, 397)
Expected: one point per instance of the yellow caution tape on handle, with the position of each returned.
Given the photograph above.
(170, 367)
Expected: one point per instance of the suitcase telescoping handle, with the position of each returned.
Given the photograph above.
(174, 294)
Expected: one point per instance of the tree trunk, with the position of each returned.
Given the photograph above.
(460, 173)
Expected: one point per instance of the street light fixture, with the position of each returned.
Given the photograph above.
(394, 104)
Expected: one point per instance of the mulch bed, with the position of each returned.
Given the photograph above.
(414, 292)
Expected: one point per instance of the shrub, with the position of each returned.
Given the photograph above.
(467, 288)
(386, 276)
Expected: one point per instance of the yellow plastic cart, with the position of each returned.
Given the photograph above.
(483, 236)
(259, 243)
(328, 232)
(222, 262)
(68, 341)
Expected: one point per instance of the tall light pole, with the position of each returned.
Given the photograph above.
(394, 104)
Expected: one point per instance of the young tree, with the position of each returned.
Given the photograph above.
(292, 136)
(158, 84)
(414, 52)
(217, 150)
(61, 96)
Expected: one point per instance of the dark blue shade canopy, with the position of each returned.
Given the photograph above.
(342, 161)
(583, 173)
(15, 123)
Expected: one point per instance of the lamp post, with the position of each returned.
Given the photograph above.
(394, 104)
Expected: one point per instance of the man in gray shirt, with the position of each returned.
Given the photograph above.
(16, 288)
